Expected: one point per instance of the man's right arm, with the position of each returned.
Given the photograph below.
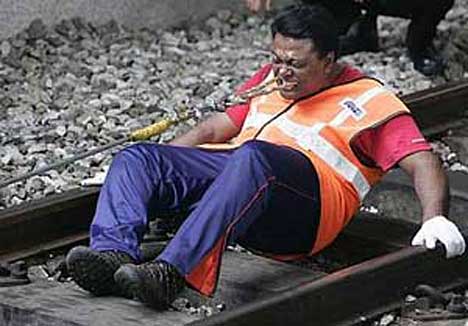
(218, 128)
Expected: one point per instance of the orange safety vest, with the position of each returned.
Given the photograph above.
(322, 127)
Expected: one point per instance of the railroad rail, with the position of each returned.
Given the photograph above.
(388, 267)
(366, 289)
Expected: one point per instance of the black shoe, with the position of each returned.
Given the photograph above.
(427, 62)
(94, 270)
(361, 36)
(156, 283)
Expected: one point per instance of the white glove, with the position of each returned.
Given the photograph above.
(440, 228)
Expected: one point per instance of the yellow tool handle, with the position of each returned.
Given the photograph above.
(156, 128)
(152, 130)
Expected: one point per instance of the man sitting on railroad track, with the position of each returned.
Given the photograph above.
(300, 160)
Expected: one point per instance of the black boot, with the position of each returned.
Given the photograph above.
(361, 36)
(94, 270)
(156, 283)
(427, 61)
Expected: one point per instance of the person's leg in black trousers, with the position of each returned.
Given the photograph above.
(425, 15)
(357, 25)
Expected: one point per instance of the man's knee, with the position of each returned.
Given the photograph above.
(137, 154)
(253, 149)
(258, 156)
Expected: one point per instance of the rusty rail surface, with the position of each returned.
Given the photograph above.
(352, 295)
(45, 224)
(437, 106)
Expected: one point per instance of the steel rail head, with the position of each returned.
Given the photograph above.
(438, 105)
(351, 295)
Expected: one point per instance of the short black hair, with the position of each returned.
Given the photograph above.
(314, 22)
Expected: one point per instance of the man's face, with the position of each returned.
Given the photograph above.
(298, 67)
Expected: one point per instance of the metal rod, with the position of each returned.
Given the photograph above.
(140, 134)
(63, 162)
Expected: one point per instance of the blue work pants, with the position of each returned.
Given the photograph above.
(262, 195)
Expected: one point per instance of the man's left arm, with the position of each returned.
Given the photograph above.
(431, 186)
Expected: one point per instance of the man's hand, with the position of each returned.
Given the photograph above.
(258, 5)
(440, 228)
(431, 185)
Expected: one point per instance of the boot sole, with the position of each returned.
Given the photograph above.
(91, 271)
(128, 281)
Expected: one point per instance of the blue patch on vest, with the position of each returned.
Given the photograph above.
(356, 111)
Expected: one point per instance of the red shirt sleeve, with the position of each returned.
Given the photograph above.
(238, 113)
(349, 73)
(385, 145)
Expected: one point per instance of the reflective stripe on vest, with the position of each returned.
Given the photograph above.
(308, 137)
